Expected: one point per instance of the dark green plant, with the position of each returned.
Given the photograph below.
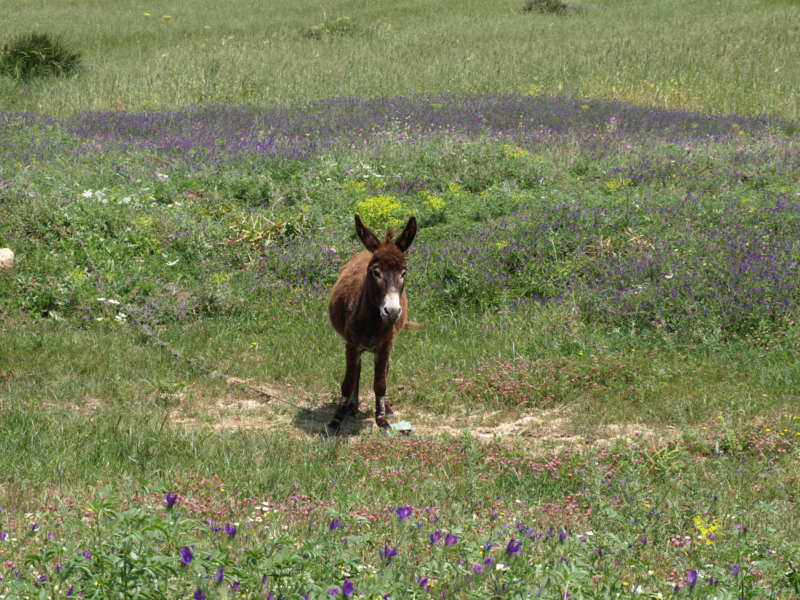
(545, 6)
(33, 55)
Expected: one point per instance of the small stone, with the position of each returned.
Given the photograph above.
(6, 258)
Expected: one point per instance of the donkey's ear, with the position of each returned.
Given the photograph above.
(405, 239)
(368, 238)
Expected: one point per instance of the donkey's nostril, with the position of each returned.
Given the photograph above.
(391, 315)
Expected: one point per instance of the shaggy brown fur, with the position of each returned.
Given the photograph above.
(363, 309)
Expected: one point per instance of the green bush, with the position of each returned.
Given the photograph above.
(33, 55)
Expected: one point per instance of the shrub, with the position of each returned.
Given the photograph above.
(381, 212)
(545, 6)
(38, 55)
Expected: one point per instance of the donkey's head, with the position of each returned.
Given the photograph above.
(387, 268)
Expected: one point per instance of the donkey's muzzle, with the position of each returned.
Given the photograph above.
(391, 317)
(391, 311)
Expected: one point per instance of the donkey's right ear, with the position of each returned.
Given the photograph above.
(368, 238)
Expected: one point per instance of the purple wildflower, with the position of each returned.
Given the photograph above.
(71, 590)
(348, 589)
(388, 553)
(230, 530)
(87, 555)
(333, 592)
(513, 548)
(691, 579)
(450, 539)
(334, 525)
(220, 574)
(404, 512)
(199, 595)
(170, 499)
(186, 555)
(435, 537)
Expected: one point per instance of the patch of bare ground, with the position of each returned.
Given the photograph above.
(297, 413)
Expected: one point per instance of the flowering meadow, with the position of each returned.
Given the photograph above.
(486, 521)
(626, 265)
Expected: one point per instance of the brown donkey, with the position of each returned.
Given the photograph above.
(368, 309)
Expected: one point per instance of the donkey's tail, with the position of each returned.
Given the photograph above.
(412, 326)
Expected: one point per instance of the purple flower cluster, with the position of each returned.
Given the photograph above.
(217, 138)
(650, 263)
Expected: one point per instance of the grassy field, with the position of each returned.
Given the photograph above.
(609, 290)
(733, 56)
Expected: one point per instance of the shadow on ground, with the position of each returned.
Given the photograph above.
(313, 421)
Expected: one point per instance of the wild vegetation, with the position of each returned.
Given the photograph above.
(620, 276)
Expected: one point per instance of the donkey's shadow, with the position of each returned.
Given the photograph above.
(314, 422)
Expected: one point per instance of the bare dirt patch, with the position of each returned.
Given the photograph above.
(296, 413)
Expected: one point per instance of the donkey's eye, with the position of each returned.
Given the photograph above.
(376, 274)
(403, 274)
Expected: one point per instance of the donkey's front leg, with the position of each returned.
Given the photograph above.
(383, 409)
(348, 402)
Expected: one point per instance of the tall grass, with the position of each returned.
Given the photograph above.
(728, 56)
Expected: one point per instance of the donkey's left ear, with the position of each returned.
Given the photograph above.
(405, 239)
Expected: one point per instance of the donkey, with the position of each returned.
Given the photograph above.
(368, 309)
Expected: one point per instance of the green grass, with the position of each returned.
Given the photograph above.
(723, 57)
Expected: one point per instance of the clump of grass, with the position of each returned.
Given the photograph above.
(337, 26)
(558, 7)
(32, 55)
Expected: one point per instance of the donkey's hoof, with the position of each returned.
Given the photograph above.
(333, 427)
(384, 425)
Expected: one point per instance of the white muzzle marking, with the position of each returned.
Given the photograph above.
(391, 309)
